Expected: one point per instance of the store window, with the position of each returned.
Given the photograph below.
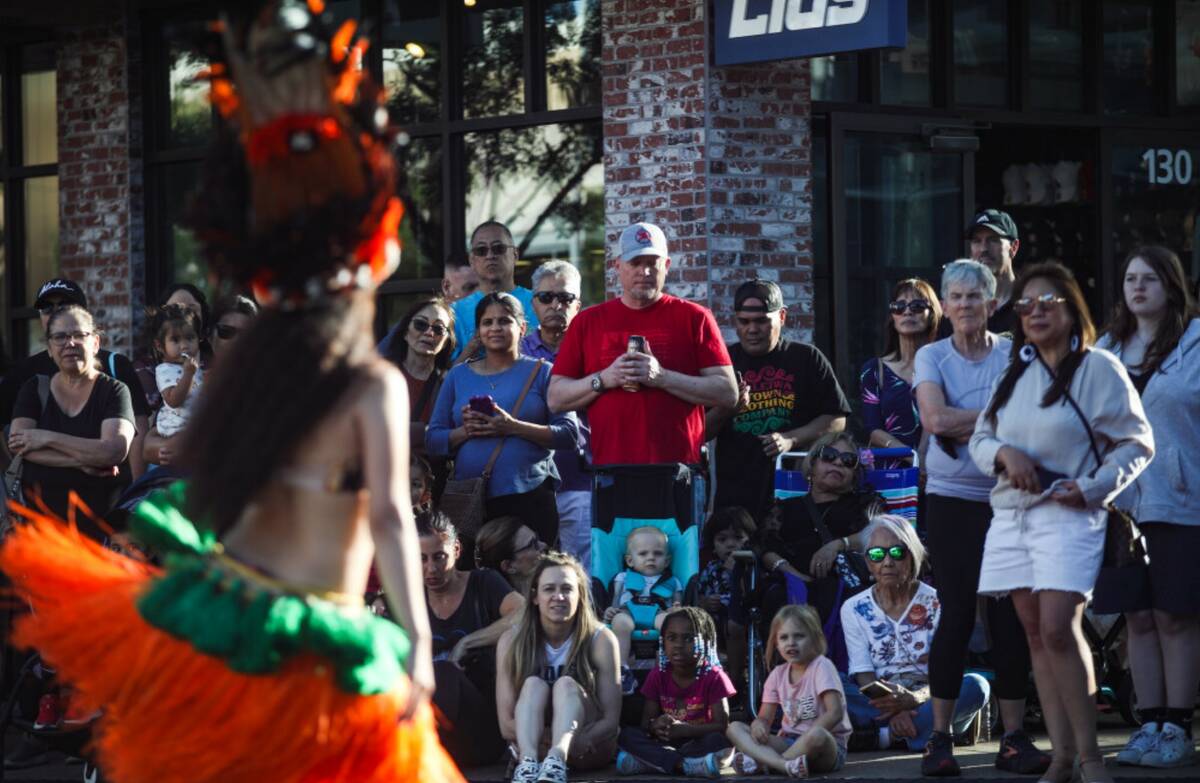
(981, 52)
(1187, 53)
(28, 189)
(835, 78)
(1156, 200)
(1056, 55)
(1128, 69)
(904, 74)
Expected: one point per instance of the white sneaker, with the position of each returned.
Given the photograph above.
(1174, 749)
(554, 770)
(1140, 743)
(526, 771)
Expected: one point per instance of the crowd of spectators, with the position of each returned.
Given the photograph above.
(1026, 426)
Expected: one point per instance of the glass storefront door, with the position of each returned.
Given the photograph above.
(898, 207)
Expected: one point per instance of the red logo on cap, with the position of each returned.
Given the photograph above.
(643, 236)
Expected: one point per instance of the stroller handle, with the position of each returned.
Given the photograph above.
(903, 453)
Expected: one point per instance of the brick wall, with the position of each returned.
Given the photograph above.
(94, 172)
(719, 157)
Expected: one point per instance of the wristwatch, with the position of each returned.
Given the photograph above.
(597, 383)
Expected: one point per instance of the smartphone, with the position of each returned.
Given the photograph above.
(876, 690)
(637, 344)
(1048, 477)
(483, 404)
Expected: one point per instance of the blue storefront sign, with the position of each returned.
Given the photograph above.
(749, 31)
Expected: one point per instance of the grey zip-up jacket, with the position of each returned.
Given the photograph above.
(1165, 491)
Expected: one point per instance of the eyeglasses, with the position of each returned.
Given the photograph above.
(1026, 305)
(914, 306)
(227, 332)
(563, 297)
(495, 249)
(848, 459)
(421, 326)
(876, 554)
(534, 543)
(61, 338)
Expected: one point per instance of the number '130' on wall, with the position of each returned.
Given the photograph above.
(1167, 166)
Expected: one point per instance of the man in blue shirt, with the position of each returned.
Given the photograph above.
(556, 301)
(494, 259)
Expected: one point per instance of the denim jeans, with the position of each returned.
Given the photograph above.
(972, 696)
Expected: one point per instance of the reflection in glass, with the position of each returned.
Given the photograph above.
(1187, 52)
(191, 119)
(39, 106)
(412, 61)
(184, 259)
(835, 78)
(1156, 201)
(419, 185)
(904, 74)
(1128, 70)
(981, 52)
(572, 33)
(41, 233)
(546, 183)
(1056, 55)
(493, 60)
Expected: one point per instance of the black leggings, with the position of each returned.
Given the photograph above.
(957, 530)
(468, 725)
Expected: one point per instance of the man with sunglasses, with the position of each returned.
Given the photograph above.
(788, 397)
(52, 295)
(556, 302)
(494, 259)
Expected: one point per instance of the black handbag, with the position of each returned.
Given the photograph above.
(851, 566)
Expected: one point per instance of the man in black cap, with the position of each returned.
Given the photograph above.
(788, 396)
(993, 242)
(52, 295)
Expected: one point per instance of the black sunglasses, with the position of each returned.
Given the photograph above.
(848, 459)
(563, 297)
(227, 332)
(876, 554)
(915, 306)
(422, 326)
(496, 249)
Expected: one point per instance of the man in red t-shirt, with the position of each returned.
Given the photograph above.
(645, 407)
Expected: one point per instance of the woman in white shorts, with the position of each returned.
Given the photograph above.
(1046, 541)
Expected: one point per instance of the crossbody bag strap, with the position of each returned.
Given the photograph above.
(818, 519)
(491, 463)
(1082, 419)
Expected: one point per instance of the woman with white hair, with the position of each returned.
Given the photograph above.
(889, 629)
(953, 380)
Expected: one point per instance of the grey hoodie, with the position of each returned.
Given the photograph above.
(1165, 492)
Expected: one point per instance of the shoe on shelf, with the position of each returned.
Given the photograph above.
(1140, 743)
(629, 764)
(1174, 749)
(526, 771)
(628, 681)
(797, 767)
(49, 715)
(554, 770)
(938, 761)
(705, 766)
(1018, 754)
(744, 764)
(28, 752)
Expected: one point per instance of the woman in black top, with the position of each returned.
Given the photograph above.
(794, 542)
(468, 611)
(79, 438)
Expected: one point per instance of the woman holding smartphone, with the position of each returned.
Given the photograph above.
(500, 400)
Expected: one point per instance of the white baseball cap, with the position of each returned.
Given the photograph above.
(643, 239)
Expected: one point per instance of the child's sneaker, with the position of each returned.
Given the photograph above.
(628, 681)
(744, 764)
(797, 767)
(554, 770)
(1174, 749)
(629, 764)
(1144, 740)
(526, 771)
(48, 716)
(705, 766)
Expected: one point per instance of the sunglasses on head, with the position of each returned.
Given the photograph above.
(876, 554)
(1027, 304)
(422, 326)
(563, 297)
(913, 306)
(496, 249)
(848, 459)
(227, 332)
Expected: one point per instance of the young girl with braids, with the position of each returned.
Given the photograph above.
(686, 711)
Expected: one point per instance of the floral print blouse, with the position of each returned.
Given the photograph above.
(894, 650)
(890, 406)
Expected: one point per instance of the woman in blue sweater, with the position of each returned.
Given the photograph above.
(465, 426)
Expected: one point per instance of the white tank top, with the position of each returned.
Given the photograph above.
(555, 660)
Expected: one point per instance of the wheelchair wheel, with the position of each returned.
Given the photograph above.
(1127, 700)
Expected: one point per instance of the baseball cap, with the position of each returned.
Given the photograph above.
(68, 289)
(643, 239)
(997, 221)
(765, 290)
